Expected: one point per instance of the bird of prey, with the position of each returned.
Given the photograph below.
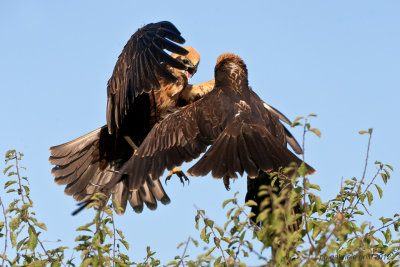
(146, 85)
(243, 134)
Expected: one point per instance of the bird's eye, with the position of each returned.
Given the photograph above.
(185, 61)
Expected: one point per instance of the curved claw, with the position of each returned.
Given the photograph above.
(182, 176)
(226, 182)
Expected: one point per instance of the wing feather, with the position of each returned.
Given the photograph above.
(137, 67)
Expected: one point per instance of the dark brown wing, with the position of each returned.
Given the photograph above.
(180, 137)
(248, 144)
(245, 136)
(289, 137)
(87, 164)
(241, 141)
(138, 67)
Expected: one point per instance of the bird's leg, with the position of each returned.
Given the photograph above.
(182, 176)
(131, 143)
(226, 181)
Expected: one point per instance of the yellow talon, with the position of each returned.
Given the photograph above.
(182, 176)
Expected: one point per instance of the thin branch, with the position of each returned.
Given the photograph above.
(113, 240)
(27, 219)
(251, 220)
(366, 158)
(305, 190)
(383, 227)
(6, 234)
(358, 198)
(184, 252)
(364, 171)
(212, 230)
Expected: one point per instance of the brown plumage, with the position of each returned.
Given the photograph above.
(244, 134)
(146, 85)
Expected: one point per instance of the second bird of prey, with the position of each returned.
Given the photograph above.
(156, 120)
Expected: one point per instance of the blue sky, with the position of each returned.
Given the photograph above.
(338, 59)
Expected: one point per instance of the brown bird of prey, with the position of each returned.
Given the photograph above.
(147, 84)
(244, 134)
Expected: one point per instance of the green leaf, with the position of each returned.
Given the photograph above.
(15, 223)
(209, 252)
(26, 206)
(388, 235)
(9, 183)
(195, 242)
(20, 243)
(209, 222)
(385, 220)
(217, 241)
(316, 131)
(302, 169)
(126, 244)
(203, 234)
(13, 237)
(384, 177)
(120, 234)
(226, 202)
(295, 122)
(389, 166)
(362, 197)
(318, 204)
(218, 261)
(220, 231)
(33, 240)
(7, 168)
(379, 190)
(85, 227)
(315, 186)
(370, 197)
(251, 203)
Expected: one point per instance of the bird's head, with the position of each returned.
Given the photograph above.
(230, 67)
(191, 61)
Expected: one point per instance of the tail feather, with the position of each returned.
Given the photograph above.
(91, 164)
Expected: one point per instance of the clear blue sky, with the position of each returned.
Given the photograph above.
(338, 59)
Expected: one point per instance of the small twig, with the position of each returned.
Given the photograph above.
(27, 219)
(363, 176)
(212, 230)
(305, 190)
(238, 251)
(230, 234)
(384, 226)
(251, 220)
(184, 252)
(358, 198)
(6, 234)
(113, 240)
(366, 158)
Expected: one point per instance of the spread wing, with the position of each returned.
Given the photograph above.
(139, 66)
(254, 140)
(180, 137)
(289, 137)
(244, 141)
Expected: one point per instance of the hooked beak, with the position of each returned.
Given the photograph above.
(191, 70)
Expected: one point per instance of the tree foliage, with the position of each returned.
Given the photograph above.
(329, 232)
